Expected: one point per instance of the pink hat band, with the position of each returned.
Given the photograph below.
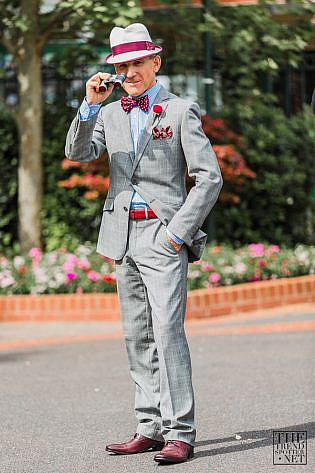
(134, 46)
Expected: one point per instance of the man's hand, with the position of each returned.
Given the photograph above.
(175, 245)
(92, 93)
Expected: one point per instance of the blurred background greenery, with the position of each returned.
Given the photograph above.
(251, 67)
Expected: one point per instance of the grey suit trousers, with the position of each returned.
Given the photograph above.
(152, 292)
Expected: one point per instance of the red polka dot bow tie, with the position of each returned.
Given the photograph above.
(128, 103)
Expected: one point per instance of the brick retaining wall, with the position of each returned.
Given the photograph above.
(200, 303)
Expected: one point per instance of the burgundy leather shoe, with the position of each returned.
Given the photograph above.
(175, 451)
(137, 444)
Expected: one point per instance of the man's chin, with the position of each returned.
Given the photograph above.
(135, 90)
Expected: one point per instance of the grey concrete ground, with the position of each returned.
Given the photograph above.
(60, 404)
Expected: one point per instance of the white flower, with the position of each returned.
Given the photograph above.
(18, 261)
(227, 269)
(84, 250)
(104, 269)
(59, 278)
(52, 257)
(41, 275)
(6, 279)
(193, 274)
(240, 268)
(302, 257)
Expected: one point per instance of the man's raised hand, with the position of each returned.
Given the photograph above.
(92, 88)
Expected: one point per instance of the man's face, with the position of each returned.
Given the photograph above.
(140, 74)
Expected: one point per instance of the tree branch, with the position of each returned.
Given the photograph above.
(53, 24)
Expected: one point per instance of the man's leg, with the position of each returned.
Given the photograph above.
(164, 272)
(141, 348)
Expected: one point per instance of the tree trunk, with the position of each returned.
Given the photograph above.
(30, 173)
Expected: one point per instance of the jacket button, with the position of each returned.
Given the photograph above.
(134, 181)
(125, 209)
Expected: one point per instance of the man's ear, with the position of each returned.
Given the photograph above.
(157, 63)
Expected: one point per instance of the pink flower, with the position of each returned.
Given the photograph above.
(157, 109)
(93, 276)
(262, 262)
(83, 263)
(70, 262)
(207, 267)
(272, 249)
(35, 254)
(79, 290)
(256, 250)
(214, 277)
(71, 276)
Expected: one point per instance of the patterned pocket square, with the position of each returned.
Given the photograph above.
(162, 133)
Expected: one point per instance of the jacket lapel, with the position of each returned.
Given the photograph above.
(162, 96)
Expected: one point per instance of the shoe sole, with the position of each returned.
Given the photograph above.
(151, 449)
(165, 460)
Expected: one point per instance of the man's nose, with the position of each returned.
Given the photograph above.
(130, 72)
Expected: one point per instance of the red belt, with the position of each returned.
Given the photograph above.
(141, 213)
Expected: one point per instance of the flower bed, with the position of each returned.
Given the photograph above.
(86, 271)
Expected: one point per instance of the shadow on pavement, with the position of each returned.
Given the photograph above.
(17, 356)
(257, 439)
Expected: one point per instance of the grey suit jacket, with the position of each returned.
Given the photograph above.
(156, 172)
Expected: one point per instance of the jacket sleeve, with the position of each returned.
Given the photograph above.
(86, 139)
(203, 166)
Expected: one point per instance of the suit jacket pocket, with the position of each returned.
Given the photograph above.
(109, 204)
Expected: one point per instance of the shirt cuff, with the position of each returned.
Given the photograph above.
(87, 111)
(174, 237)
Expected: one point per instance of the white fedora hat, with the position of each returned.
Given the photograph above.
(128, 44)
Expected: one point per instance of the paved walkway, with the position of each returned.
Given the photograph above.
(66, 392)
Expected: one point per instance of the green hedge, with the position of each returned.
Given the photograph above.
(277, 205)
(8, 181)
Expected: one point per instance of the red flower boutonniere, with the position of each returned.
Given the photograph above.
(157, 109)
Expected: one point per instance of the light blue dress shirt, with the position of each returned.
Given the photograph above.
(138, 120)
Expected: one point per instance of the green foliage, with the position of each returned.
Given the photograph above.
(250, 45)
(8, 183)
(67, 217)
(75, 16)
(175, 29)
(275, 206)
(249, 42)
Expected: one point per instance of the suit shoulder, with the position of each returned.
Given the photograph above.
(185, 106)
(109, 107)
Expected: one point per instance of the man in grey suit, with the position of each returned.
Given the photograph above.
(151, 228)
